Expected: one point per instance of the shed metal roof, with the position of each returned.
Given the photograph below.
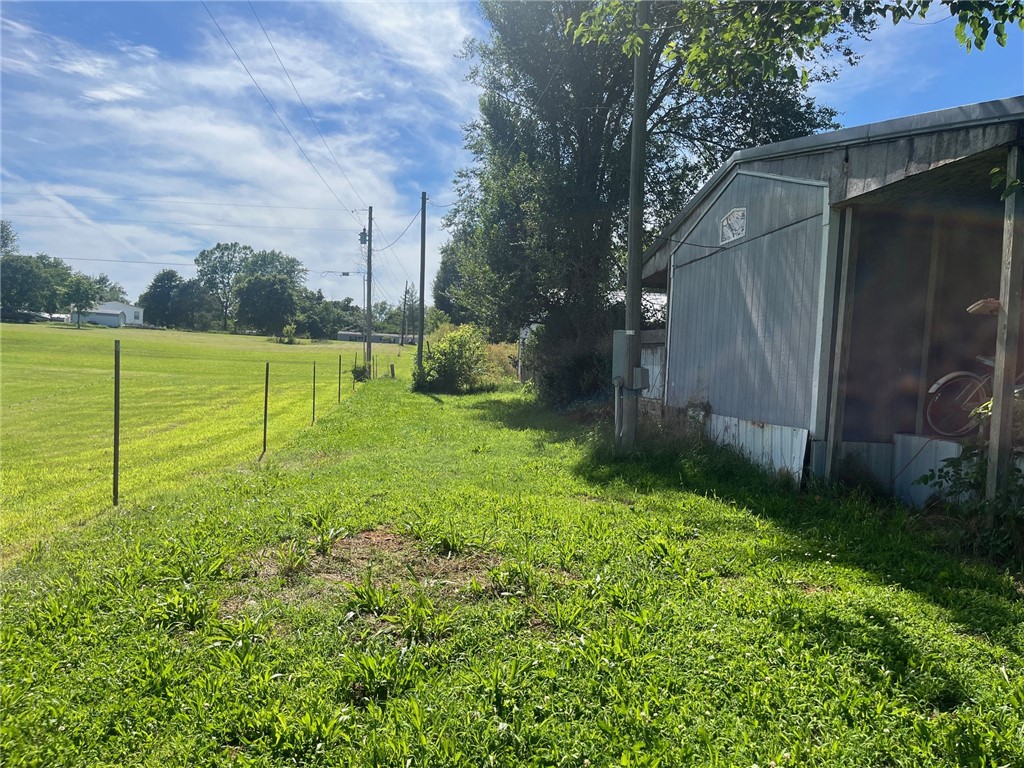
(985, 114)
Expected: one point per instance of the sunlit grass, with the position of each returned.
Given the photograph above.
(191, 404)
(468, 581)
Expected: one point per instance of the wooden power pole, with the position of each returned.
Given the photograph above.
(423, 273)
(369, 292)
(634, 266)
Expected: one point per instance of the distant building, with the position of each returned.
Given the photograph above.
(113, 314)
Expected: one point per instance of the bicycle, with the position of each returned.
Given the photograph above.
(955, 398)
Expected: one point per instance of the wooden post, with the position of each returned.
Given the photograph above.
(117, 417)
(847, 284)
(392, 370)
(266, 401)
(423, 277)
(1011, 287)
(634, 234)
(934, 279)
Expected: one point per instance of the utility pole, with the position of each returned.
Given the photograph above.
(634, 266)
(405, 297)
(369, 290)
(423, 273)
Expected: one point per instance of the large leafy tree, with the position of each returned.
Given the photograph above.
(539, 228)
(109, 290)
(82, 293)
(266, 303)
(273, 263)
(161, 298)
(723, 43)
(218, 269)
(34, 282)
(8, 239)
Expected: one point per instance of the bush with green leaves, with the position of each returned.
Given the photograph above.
(454, 363)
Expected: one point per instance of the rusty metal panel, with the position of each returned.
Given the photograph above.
(745, 313)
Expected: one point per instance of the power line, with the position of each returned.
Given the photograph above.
(389, 245)
(177, 223)
(273, 109)
(130, 261)
(165, 200)
(303, 103)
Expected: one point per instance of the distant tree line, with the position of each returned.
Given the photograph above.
(236, 288)
(40, 283)
(239, 288)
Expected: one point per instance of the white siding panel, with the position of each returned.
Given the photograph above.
(768, 445)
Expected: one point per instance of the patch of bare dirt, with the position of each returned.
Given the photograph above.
(391, 558)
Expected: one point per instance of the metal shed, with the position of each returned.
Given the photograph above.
(817, 286)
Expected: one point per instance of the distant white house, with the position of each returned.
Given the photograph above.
(113, 314)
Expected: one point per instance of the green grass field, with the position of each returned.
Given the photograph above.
(191, 405)
(469, 581)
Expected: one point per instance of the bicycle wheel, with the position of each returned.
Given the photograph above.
(951, 407)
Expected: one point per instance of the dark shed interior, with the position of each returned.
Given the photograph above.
(926, 248)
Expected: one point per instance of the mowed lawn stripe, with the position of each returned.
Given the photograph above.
(191, 404)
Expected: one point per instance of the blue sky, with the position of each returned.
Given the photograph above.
(110, 110)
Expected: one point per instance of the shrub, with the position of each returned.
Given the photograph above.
(288, 335)
(455, 362)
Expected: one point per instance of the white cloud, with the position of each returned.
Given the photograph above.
(113, 92)
(122, 119)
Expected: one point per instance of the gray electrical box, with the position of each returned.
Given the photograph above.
(641, 379)
(622, 342)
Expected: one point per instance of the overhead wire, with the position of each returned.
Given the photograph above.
(168, 201)
(308, 113)
(176, 223)
(273, 108)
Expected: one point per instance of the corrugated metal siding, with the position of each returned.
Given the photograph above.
(768, 445)
(744, 318)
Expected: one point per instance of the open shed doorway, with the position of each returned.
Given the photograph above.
(925, 249)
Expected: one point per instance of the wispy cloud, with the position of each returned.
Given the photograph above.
(126, 119)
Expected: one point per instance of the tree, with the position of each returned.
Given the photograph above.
(196, 308)
(266, 303)
(8, 239)
(736, 41)
(273, 263)
(37, 282)
(82, 293)
(25, 284)
(109, 290)
(161, 298)
(538, 232)
(217, 269)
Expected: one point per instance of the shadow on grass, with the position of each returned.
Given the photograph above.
(873, 535)
(525, 415)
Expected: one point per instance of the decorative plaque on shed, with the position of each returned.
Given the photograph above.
(734, 225)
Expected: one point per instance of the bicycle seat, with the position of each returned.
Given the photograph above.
(988, 361)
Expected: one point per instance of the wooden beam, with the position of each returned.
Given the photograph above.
(837, 406)
(934, 279)
(1008, 332)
